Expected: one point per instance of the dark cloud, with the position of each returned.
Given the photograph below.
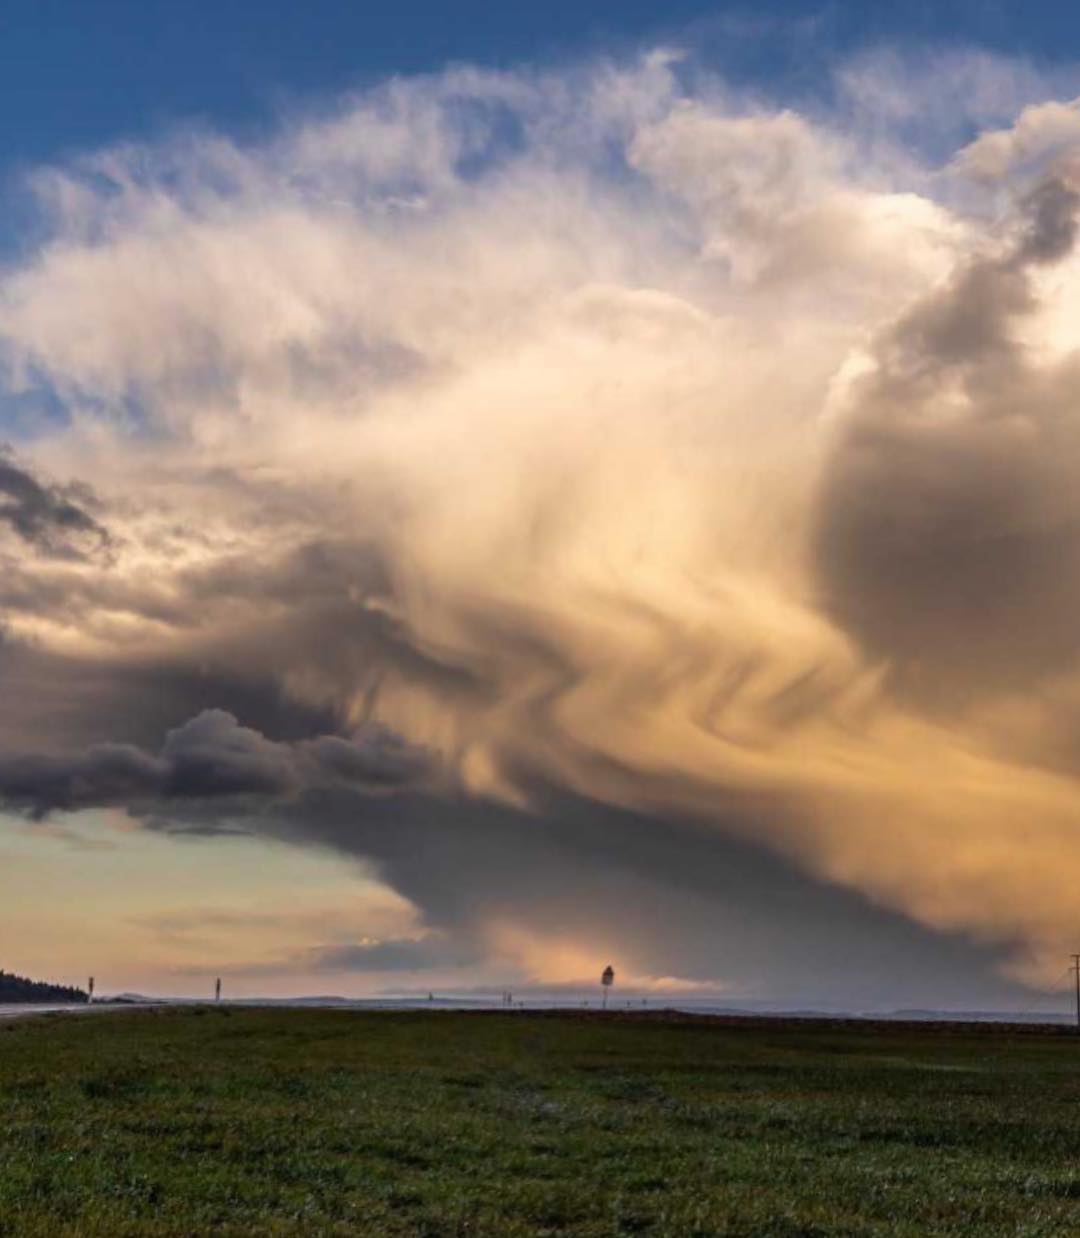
(949, 531)
(52, 519)
(210, 758)
(679, 899)
(67, 702)
(435, 952)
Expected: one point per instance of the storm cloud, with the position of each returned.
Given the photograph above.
(209, 758)
(657, 519)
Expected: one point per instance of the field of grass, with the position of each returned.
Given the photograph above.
(218, 1121)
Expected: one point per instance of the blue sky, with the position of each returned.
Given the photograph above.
(75, 75)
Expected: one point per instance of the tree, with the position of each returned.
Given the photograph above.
(607, 980)
(19, 989)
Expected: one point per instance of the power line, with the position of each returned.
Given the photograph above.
(1054, 991)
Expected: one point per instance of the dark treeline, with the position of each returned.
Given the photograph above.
(19, 989)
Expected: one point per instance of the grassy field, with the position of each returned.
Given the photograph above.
(219, 1121)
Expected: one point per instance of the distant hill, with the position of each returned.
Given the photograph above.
(19, 989)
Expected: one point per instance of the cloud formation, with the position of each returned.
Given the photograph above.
(209, 758)
(675, 473)
(46, 517)
(948, 518)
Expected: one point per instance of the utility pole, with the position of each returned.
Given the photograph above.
(217, 990)
(1075, 969)
(90, 992)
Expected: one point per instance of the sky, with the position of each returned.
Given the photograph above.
(486, 493)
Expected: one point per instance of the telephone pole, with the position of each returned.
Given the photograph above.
(1075, 969)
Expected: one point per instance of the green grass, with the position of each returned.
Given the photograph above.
(225, 1121)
